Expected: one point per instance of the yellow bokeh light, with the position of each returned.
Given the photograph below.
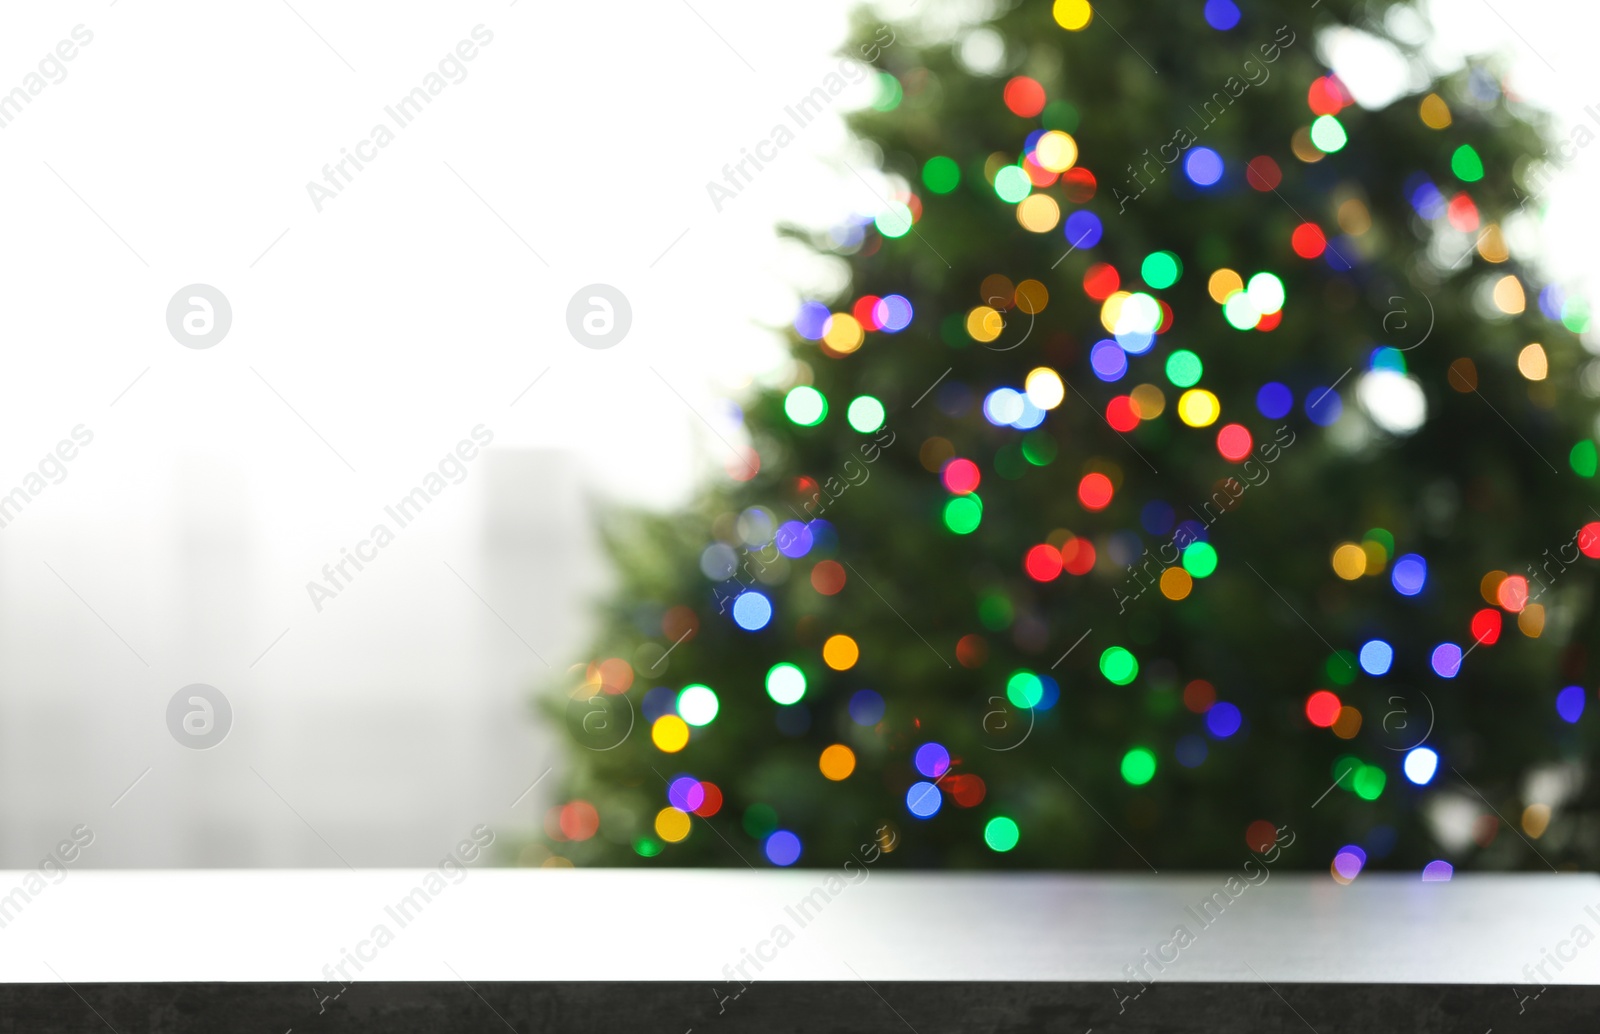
(837, 762)
(1354, 218)
(1148, 401)
(1489, 587)
(843, 333)
(1492, 245)
(1038, 213)
(984, 324)
(1508, 296)
(840, 652)
(1434, 111)
(1031, 297)
(1530, 621)
(1348, 723)
(1197, 407)
(1073, 15)
(1111, 310)
(1350, 561)
(1535, 820)
(1044, 387)
(1222, 284)
(670, 733)
(1056, 151)
(1300, 143)
(1532, 362)
(1176, 583)
(672, 825)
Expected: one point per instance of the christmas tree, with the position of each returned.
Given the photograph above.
(1195, 463)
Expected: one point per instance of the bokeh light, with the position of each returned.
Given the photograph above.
(782, 848)
(669, 733)
(837, 762)
(786, 684)
(840, 652)
(932, 760)
(698, 705)
(1138, 766)
(1001, 834)
(923, 799)
(1420, 765)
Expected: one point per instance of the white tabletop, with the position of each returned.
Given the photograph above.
(566, 925)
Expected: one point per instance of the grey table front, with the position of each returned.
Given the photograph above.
(838, 949)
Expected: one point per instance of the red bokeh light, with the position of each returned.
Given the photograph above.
(1513, 593)
(1260, 835)
(1326, 96)
(1121, 415)
(1263, 173)
(972, 650)
(961, 476)
(1322, 708)
(1077, 556)
(1100, 281)
(967, 790)
(864, 311)
(1079, 184)
(1308, 240)
(1234, 442)
(579, 820)
(1463, 213)
(1486, 626)
(1199, 695)
(713, 802)
(1024, 96)
(1095, 491)
(828, 577)
(1043, 563)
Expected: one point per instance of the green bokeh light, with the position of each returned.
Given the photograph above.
(889, 93)
(786, 684)
(865, 414)
(995, 611)
(1161, 269)
(1024, 689)
(1138, 766)
(1039, 449)
(644, 847)
(1118, 665)
(1341, 667)
(805, 406)
(1575, 315)
(1200, 559)
(698, 705)
(963, 514)
(1240, 313)
(1001, 834)
(1060, 115)
(1266, 293)
(1368, 782)
(1012, 184)
(893, 221)
(940, 174)
(1584, 459)
(1466, 164)
(759, 820)
(1184, 368)
(1327, 134)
